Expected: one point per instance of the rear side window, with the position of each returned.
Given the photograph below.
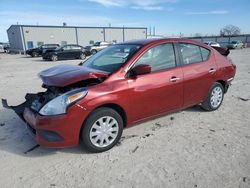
(205, 53)
(190, 53)
(193, 54)
(159, 57)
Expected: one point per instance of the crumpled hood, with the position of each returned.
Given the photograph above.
(64, 75)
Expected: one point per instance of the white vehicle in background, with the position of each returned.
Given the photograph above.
(211, 43)
(98, 46)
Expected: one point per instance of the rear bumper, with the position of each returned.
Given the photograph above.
(55, 131)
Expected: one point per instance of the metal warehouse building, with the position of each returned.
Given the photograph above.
(23, 37)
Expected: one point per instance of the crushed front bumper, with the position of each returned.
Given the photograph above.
(51, 131)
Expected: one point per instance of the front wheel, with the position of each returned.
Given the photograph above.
(54, 58)
(34, 54)
(93, 52)
(102, 130)
(215, 98)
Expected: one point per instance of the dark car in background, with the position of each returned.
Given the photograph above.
(35, 52)
(6, 48)
(70, 51)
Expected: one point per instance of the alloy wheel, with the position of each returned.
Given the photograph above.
(216, 97)
(104, 131)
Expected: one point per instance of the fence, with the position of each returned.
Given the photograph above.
(224, 41)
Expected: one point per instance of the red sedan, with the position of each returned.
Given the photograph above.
(122, 85)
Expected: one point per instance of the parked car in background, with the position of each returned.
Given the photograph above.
(211, 43)
(123, 85)
(35, 52)
(6, 48)
(70, 51)
(235, 44)
(98, 46)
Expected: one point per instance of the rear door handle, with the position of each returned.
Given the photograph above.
(174, 79)
(212, 70)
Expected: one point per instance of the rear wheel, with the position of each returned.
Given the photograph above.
(215, 97)
(54, 58)
(82, 56)
(93, 52)
(102, 130)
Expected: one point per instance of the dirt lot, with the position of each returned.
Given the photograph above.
(191, 148)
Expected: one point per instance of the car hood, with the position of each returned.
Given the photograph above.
(64, 75)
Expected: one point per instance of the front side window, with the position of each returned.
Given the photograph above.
(112, 58)
(159, 57)
(76, 48)
(67, 48)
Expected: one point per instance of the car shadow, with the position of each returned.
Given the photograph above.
(196, 108)
(16, 139)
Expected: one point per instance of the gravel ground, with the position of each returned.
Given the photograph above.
(191, 148)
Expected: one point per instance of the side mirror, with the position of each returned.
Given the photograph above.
(140, 70)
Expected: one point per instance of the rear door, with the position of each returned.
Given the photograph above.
(76, 50)
(199, 68)
(159, 91)
(66, 53)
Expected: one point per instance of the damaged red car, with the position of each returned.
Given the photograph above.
(127, 83)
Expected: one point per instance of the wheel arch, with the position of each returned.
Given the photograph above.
(113, 106)
(224, 84)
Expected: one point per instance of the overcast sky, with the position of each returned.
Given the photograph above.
(170, 17)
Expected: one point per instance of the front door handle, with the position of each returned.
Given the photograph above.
(212, 70)
(174, 79)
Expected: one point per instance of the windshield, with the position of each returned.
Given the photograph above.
(112, 58)
(97, 44)
(234, 42)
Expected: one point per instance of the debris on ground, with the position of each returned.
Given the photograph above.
(243, 99)
(147, 135)
(31, 149)
(171, 118)
(134, 150)
(125, 137)
(212, 130)
(244, 179)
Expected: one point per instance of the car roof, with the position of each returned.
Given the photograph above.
(153, 41)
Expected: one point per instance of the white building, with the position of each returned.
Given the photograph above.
(23, 37)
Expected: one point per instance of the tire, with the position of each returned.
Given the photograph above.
(93, 52)
(98, 142)
(54, 58)
(34, 54)
(215, 97)
(82, 56)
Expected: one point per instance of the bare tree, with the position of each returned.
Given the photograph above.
(229, 30)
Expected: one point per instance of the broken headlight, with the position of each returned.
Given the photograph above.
(59, 104)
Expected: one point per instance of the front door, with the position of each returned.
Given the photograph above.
(159, 91)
